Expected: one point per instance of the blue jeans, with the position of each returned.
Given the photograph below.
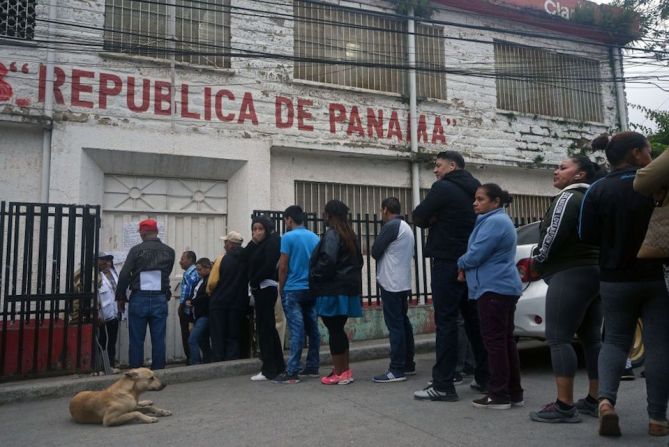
(300, 311)
(400, 332)
(623, 303)
(199, 340)
(147, 308)
(448, 296)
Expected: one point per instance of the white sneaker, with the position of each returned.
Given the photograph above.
(258, 377)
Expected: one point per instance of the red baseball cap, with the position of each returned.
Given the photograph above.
(148, 225)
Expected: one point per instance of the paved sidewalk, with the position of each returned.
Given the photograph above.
(27, 390)
(234, 411)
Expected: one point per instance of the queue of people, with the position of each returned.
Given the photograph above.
(602, 251)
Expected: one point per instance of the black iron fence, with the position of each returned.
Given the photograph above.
(367, 227)
(48, 287)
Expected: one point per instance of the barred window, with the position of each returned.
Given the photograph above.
(534, 80)
(17, 19)
(327, 34)
(202, 33)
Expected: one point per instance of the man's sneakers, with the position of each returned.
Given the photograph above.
(309, 372)
(389, 377)
(587, 406)
(608, 419)
(430, 393)
(285, 378)
(259, 377)
(492, 404)
(457, 379)
(554, 413)
(344, 378)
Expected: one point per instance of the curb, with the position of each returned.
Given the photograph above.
(64, 387)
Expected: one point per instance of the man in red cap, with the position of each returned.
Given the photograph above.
(146, 272)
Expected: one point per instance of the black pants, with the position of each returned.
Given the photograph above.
(449, 296)
(271, 354)
(107, 336)
(338, 337)
(225, 333)
(184, 321)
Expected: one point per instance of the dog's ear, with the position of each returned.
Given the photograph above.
(132, 374)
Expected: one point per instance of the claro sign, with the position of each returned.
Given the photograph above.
(561, 8)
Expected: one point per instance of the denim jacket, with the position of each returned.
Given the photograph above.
(489, 262)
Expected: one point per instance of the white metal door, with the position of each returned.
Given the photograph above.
(191, 215)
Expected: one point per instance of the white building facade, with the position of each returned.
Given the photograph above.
(197, 113)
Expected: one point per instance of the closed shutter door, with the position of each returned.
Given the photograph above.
(191, 215)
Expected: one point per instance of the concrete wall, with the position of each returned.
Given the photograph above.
(486, 136)
(20, 162)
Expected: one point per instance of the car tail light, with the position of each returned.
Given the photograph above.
(527, 273)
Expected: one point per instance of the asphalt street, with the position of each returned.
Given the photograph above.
(234, 411)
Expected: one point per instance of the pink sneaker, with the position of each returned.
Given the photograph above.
(346, 377)
(330, 379)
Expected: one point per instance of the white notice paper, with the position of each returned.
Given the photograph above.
(150, 280)
(131, 235)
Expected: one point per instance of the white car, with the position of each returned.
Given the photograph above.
(531, 308)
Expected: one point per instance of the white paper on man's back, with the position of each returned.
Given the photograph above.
(150, 280)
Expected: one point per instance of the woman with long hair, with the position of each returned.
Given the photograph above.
(571, 269)
(615, 217)
(335, 279)
(493, 281)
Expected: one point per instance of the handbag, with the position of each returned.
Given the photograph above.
(656, 242)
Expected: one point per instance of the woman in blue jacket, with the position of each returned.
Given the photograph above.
(493, 280)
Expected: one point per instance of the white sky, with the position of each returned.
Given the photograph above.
(645, 95)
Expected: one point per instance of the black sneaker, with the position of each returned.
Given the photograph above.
(309, 372)
(410, 372)
(429, 393)
(492, 404)
(457, 379)
(286, 378)
(628, 374)
(478, 387)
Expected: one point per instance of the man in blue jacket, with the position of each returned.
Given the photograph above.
(448, 212)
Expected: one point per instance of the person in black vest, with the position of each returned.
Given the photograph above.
(229, 300)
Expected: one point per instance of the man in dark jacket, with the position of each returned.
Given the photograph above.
(448, 212)
(146, 272)
(229, 300)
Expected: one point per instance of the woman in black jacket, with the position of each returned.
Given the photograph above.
(335, 279)
(615, 217)
(262, 255)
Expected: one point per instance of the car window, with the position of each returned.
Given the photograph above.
(528, 234)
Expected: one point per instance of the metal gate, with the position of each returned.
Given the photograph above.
(48, 287)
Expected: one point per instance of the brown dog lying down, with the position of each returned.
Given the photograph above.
(120, 402)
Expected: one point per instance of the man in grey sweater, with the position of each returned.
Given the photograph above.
(393, 251)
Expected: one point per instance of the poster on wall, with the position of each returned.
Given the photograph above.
(131, 235)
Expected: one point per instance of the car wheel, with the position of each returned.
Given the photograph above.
(638, 353)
